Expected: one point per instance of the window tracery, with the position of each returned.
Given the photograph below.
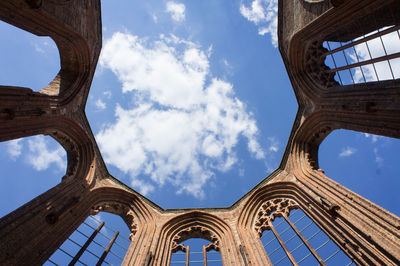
(122, 210)
(195, 232)
(296, 238)
(206, 255)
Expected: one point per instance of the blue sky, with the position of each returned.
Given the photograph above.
(190, 105)
(194, 119)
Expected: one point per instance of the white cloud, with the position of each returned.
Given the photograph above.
(228, 69)
(264, 14)
(155, 18)
(108, 94)
(241, 172)
(100, 104)
(186, 125)
(378, 158)
(38, 48)
(274, 144)
(41, 46)
(374, 138)
(41, 157)
(14, 148)
(176, 10)
(346, 152)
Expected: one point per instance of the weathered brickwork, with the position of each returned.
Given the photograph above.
(367, 233)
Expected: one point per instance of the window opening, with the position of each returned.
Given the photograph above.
(196, 251)
(371, 57)
(95, 242)
(29, 167)
(364, 163)
(289, 236)
(27, 60)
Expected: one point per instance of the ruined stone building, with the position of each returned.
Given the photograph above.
(365, 232)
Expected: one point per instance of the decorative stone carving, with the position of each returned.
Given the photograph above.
(315, 65)
(122, 210)
(195, 232)
(269, 210)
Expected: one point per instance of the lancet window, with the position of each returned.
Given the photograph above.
(289, 236)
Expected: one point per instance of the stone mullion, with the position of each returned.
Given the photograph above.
(204, 256)
(298, 233)
(187, 259)
(282, 243)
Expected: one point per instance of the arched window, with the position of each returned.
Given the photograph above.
(102, 239)
(29, 167)
(27, 60)
(289, 236)
(195, 245)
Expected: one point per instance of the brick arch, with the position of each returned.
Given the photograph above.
(249, 226)
(312, 132)
(69, 134)
(79, 48)
(125, 203)
(191, 225)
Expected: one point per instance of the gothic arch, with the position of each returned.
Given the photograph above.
(137, 214)
(110, 198)
(70, 135)
(191, 225)
(332, 216)
(78, 51)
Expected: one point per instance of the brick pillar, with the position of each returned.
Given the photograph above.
(30, 234)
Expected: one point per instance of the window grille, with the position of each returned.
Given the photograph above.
(195, 252)
(289, 236)
(93, 242)
(368, 58)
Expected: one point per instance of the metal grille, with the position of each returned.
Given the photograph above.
(371, 57)
(298, 239)
(105, 239)
(198, 256)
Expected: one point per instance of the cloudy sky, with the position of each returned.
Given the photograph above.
(190, 105)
